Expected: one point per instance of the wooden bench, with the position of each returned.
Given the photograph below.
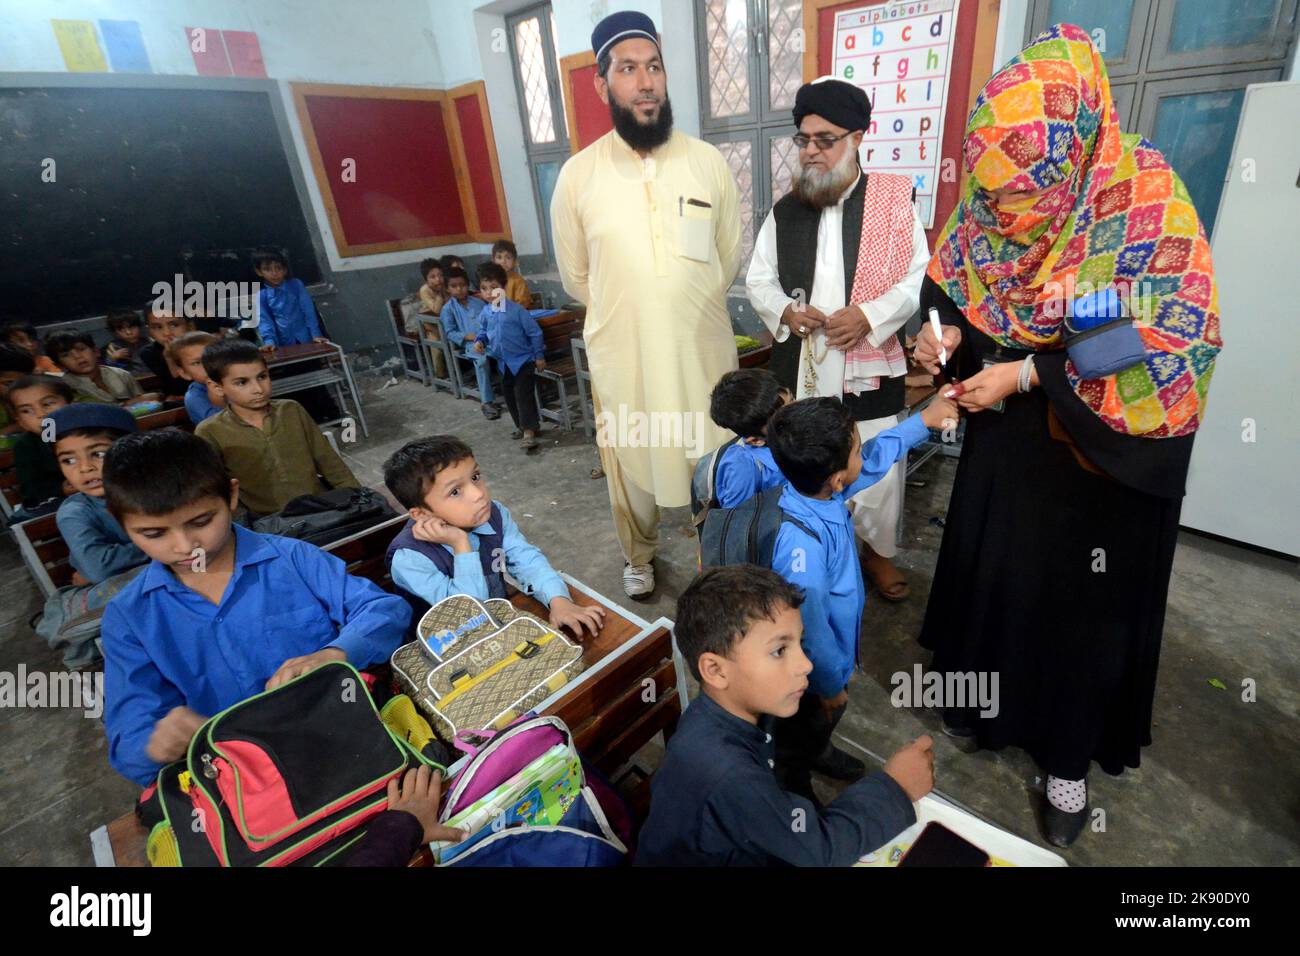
(558, 333)
(629, 692)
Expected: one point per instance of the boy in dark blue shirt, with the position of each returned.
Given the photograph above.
(287, 312)
(816, 445)
(715, 800)
(742, 402)
(512, 336)
(98, 548)
(221, 613)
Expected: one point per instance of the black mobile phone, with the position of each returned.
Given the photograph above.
(939, 846)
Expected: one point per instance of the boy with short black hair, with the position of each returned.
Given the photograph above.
(128, 337)
(816, 445)
(163, 327)
(22, 335)
(15, 363)
(506, 256)
(270, 444)
(31, 400)
(462, 320)
(220, 613)
(98, 548)
(78, 356)
(457, 533)
(287, 312)
(186, 353)
(742, 402)
(715, 801)
(511, 335)
(433, 290)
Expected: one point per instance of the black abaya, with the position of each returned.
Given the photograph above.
(1052, 576)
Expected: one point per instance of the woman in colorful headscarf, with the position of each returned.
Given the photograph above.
(1059, 540)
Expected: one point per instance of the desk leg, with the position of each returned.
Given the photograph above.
(356, 395)
(102, 848)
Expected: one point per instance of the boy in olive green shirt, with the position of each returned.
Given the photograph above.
(271, 446)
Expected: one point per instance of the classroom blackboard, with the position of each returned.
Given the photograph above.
(146, 183)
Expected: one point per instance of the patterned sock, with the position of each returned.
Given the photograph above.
(1068, 796)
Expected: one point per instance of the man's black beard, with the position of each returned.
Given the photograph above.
(637, 134)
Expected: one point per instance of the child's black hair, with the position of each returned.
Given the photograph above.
(427, 264)
(9, 328)
(56, 385)
(452, 262)
(505, 245)
(123, 318)
(14, 359)
(490, 270)
(223, 353)
(410, 471)
(158, 471)
(810, 441)
(744, 400)
(719, 607)
(262, 256)
(61, 343)
(454, 272)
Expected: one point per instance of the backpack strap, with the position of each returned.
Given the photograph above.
(712, 500)
(786, 517)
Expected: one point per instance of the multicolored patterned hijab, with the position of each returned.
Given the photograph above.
(1114, 214)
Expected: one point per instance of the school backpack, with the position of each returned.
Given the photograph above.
(475, 669)
(528, 799)
(291, 776)
(746, 534)
(329, 516)
(73, 615)
(704, 482)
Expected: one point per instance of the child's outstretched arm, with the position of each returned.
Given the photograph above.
(892, 445)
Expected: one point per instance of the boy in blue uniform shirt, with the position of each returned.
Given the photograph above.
(816, 446)
(460, 541)
(462, 320)
(742, 402)
(221, 613)
(186, 353)
(714, 800)
(287, 313)
(98, 548)
(512, 336)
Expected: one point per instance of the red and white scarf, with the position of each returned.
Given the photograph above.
(884, 255)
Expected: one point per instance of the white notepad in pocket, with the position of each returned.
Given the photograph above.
(696, 229)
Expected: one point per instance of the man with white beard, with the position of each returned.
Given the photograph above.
(835, 275)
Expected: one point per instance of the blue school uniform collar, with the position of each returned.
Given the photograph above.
(829, 509)
(757, 736)
(250, 548)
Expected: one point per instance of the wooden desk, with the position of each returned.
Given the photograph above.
(337, 374)
(632, 689)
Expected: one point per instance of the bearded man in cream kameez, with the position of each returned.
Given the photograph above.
(646, 224)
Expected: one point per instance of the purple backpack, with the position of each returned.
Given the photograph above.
(596, 828)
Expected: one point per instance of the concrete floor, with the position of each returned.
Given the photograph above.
(1220, 785)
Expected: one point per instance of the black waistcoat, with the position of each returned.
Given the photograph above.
(796, 261)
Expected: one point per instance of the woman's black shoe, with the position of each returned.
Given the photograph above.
(1062, 828)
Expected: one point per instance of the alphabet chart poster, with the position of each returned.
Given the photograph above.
(901, 55)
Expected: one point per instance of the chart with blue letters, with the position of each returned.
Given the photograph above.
(900, 54)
